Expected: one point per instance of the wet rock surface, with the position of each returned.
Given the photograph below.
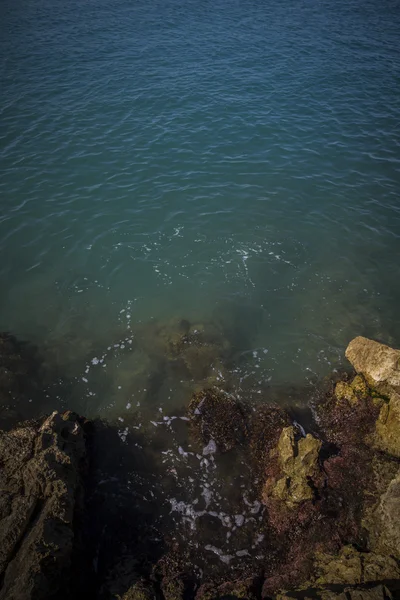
(217, 418)
(247, 504)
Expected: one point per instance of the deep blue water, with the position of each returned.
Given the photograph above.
(235, 161)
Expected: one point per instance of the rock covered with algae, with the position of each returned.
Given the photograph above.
(354, 391)
(141, 590)
(217, 417)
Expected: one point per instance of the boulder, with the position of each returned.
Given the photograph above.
(380, 366)
(40, 484)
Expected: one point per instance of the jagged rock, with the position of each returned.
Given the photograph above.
(139, 591)
(173, 588)
(122, 582)
(298, 462)
(384, 523)
(40, 482)
(352, 392)
(232, 590)
(379, 592)
(380, 365)
(387, 434)
(217, 416)
(242, 589)
(351, 567)
(265, 426)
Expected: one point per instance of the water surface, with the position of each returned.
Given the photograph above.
(233, 161)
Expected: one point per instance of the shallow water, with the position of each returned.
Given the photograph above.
(233, 163)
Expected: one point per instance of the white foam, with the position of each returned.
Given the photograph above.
(211, 448)
(239, 520)
(225, 558)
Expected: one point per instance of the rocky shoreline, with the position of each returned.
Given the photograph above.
(327, 500)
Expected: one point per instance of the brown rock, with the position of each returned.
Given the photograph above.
(39, 481)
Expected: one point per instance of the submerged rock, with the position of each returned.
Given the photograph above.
(193, 351)
(20, 379)
(217, 416)
(40, 482)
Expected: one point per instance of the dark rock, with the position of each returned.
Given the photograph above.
(140, 590)
(40, 483)
(217, 416)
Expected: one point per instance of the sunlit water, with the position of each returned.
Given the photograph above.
(226, 162)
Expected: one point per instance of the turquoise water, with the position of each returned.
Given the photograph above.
(233, 161)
